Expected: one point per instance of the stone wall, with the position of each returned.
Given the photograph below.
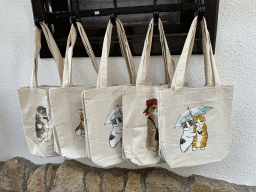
(19, 174)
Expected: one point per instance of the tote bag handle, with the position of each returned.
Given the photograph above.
(125, 50)
(67, 74)
(211, 73)
(168, 62)
(54, 50)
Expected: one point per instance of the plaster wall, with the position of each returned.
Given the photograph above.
(235, 59)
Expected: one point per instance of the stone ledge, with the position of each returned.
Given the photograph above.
(19, 174)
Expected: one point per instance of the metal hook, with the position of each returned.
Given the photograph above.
(113, 19)
(156, 12)
(156, 16)
(37, 23)
(201, 9)
(114, 14)
(74, 20)
(43, 17)
(76, 10)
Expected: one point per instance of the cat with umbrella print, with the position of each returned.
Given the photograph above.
(116, 119)
(194, 128)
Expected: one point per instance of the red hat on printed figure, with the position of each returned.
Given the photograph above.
(149, 103)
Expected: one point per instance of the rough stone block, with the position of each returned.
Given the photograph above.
(162, 181)
(202, 184)
(112, 182)
(69, 177)
(12, 175)
(19, 174)
(48, 176)
(93, 182)
(199, 187)
(28, 172)
(1, 165)
(134, 183)
(36, 182)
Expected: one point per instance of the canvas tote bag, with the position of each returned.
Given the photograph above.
(103, 106)
(66, 102)
(140, 132)
(35, 106)
(195, 123)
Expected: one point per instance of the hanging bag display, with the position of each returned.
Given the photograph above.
(103, 106)
(140, 132)
(66, 102)
(195, 123)
(35, 106)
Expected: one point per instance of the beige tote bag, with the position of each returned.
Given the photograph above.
(140, 113)
(35, 106)
(195, 123)
(103, 106)
(66, 103)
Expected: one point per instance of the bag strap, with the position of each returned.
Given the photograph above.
(211, 73)
(168, 61)
(53, 48)
(144, 62)
(67, 74)
(87, 46)
(125, 50)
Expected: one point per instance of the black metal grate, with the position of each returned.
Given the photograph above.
(176, 16)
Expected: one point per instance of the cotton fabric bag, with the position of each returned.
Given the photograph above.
(35, 106)
(103, 106)
(195, 123)
(66, 102)
(140, 132)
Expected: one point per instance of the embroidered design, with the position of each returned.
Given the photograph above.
(194, 128)
(80, 131)
(152, 125)
(116, 119)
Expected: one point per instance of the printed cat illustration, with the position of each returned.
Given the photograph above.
(200, 129)
(80, 131)
(152, 125)
(42, 124)
(187, 136)
(116, 134)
